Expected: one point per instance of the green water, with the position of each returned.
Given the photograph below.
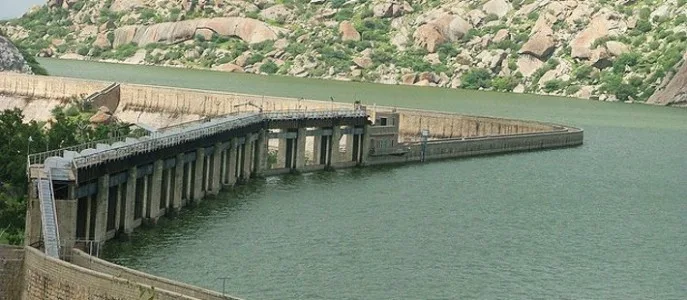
(607, 220)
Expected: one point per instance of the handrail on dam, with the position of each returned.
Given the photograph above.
(121, 147)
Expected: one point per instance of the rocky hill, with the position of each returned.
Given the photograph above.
(11, 59)
(613, 50)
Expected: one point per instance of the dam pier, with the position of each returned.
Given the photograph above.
(196, 145)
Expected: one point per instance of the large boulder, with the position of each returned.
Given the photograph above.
(387, 9)
(278, 12)
(249, 30)
(348, 32)
(126, 5)
(616, 48)
(11, 59)
(497, 7)
(599, 27)
(428, 37)
(442, 28)
(452, 27)
(528, 64)
(229, 67)
(540, 45)
(101, 41)
(674, 92)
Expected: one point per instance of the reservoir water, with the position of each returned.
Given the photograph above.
(607, 220)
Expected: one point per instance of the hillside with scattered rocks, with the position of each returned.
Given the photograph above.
(611, 50)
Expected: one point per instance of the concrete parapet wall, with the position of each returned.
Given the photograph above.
(84, 260)
(454, 148)
(47, 278)
(11, 272)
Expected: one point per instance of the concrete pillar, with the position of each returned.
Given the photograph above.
(317, 146)
(178, 182)
(300, 148)
(129, 201)
(32, 233)
(198, 181)
(146, 196)
(168, 191)
(334, 156)
(156, 193)
(89, 216)
(118, 207)
(260, 153)
(247, 157)
(281, 154)
(189, 182)
(216, 169)
(101, 203)
(365, 145)
(207, 165)
(231, 161)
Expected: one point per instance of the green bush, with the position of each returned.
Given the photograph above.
(629, 59)
(554, 85)
(505, 83)
(269, 67)
(476, 78)
(582, 72)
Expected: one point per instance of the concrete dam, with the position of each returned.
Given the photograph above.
(199, 143)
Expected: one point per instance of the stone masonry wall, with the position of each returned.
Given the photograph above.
(82, 259)
(47, 278)
(11, 272)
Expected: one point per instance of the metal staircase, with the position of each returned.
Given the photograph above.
(51, 235)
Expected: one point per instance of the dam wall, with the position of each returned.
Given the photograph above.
(11, 271)
(449, 125)
(84, 260)
(466, 147)
(48, 87)
(160, 107)
(47, 278)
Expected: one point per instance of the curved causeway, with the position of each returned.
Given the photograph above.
(82, 196)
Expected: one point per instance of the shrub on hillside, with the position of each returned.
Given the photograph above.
(269, 67)
(476, 78)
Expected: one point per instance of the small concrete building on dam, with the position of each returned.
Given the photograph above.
(199, 143)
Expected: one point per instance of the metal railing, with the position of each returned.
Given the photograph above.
(168, 138)
(51, 234)
(39, 158)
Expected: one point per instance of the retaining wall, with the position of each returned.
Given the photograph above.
(47, 278)
(11, 272)
(82, 259)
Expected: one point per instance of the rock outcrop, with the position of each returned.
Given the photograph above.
(11, 59)
(674, 93)
(249, 30)
(348, 32)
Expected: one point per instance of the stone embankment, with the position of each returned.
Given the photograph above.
(29, 274)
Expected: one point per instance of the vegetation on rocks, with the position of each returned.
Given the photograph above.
(611, 50)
